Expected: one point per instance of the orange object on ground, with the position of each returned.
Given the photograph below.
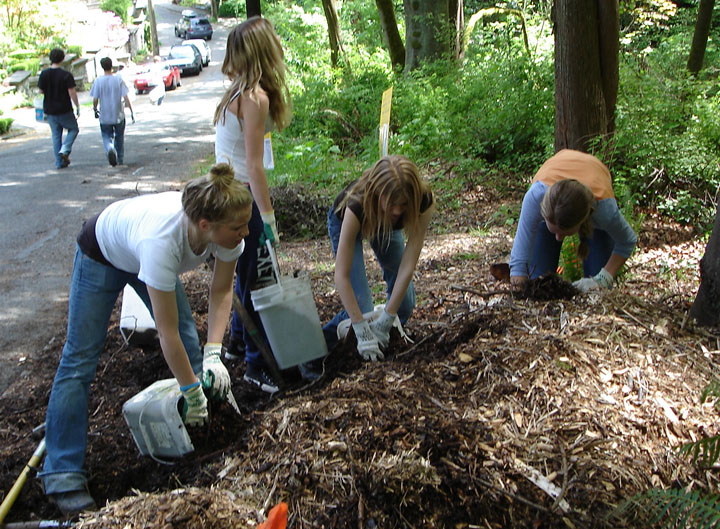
(277, 518)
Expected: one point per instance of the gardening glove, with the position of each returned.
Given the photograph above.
(194, 411)
(270, 232)
(381, 328)
(132, 116)
(603, 279)
(215, 377)
(77, 112)
(97, 113)
(367, 344)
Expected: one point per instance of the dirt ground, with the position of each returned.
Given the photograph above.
(503, 412)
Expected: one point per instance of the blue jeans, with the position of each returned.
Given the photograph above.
(546, 253)
(93, 292)
(58, 123)
(113, 135)
(245, 277)
(388, 255)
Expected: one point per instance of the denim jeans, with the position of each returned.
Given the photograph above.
(93, 292)
(113, 135)
(388, 255)
(58, 123)
(546, 253)
(245, 277)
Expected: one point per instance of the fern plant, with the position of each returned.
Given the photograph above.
(681, 508)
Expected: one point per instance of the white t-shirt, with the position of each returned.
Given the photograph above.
(148, 236)
(110, 90)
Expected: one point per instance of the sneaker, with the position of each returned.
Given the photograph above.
(235, 349)
(312, 370)
(65, 159)
(261, 378)
(73, 501)
(112, 156)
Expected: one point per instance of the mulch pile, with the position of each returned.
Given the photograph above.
(504, 412)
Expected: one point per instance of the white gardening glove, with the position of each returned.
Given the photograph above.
(603, 279)
(367, 344)
(269, 224)
(381, 328)
(194, 411)
(215, 377)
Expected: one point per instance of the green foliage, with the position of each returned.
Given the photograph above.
(31, 65)
(674, 508)
(706, 451)
(5, 124)
(570, 266)
(119, 7)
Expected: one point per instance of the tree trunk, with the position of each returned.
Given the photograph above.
(700, 37)
(155, 47)
(457, 21)
(214, 9)
(333, 30)
(395, 45)
(252, 8)
(586, 71)
(706, 308)
(427, 31)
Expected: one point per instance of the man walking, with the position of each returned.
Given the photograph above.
(58, 88)
(110, 91)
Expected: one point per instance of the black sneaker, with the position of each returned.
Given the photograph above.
(73, 501)
(261, 378)
(312, 370)
(112, 156)
(65, 160)
(235, 349)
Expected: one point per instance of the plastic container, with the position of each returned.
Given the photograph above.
(39, 112)
(290, 318)
(136, 324)
(155, 422)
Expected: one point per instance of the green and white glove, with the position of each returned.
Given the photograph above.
(215, 376)
(367, 343)
(602, 279)
(270, 232)
(381, 328)
(194, 411)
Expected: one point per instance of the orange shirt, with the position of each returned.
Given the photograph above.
(575, 165)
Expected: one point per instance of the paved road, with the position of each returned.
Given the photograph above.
(43, 208)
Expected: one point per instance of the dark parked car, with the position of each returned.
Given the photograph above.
(187, 58)
(193, 26)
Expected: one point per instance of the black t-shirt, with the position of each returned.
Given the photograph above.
(55, 82)
(357, 209)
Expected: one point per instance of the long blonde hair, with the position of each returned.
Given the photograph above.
(216, 196)
(254, 59)
(393, 180)
(569, 204)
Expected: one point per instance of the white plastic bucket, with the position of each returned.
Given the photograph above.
(155, 423)
(136, 324)
(290, 318)
(39, 112)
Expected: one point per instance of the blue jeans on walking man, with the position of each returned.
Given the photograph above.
(58, 123)
(388, 255)
(93, 291)
(113, 135)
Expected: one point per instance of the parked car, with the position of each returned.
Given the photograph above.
(193, 26)
(144, 79)
(186, 57)
(203, 48)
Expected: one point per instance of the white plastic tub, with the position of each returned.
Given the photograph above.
(290, 318)
(155, 423)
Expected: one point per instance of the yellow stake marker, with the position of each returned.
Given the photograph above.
(385, 120)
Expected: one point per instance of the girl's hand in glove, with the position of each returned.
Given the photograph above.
(194, 412)
(381, 328)
(603, 279)
(215, 377)
(367, 343)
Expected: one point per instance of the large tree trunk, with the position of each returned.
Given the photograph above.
(394, 42)
(700, 36)
(333, 30)
(252, 8)
(706, 308)
(457, 21)
(154, 45)
(427, 31)
(586, 71)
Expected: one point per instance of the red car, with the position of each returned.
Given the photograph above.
(144, 78)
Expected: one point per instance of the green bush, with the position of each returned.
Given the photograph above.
(119, 7)
(231, 8)
(32, 65)
(5, 124)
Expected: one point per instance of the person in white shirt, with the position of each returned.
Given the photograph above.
(145, 241)
(110, 91)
